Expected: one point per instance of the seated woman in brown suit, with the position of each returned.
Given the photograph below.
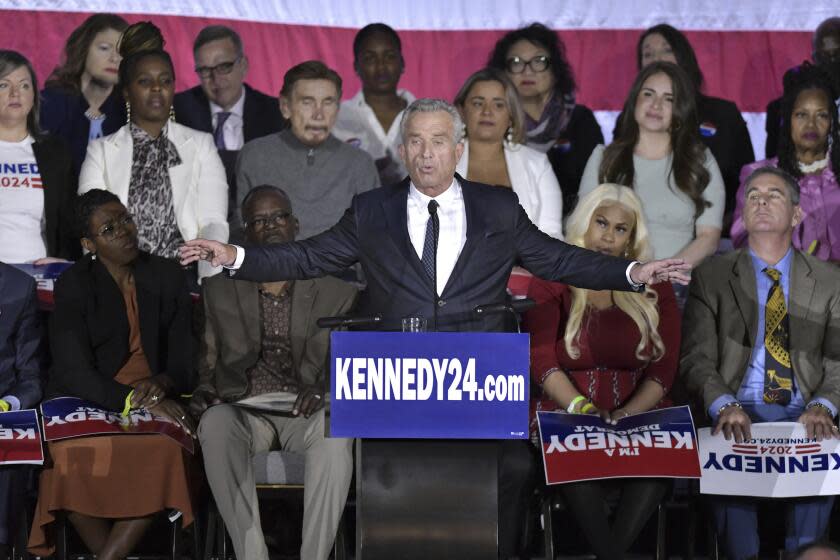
(120, 338)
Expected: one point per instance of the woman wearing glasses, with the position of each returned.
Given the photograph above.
(120, 338)
(80, 101)
(534, 59)
(169, 176)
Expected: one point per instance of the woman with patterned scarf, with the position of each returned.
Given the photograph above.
(169, 176)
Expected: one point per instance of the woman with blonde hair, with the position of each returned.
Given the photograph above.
(608, 353)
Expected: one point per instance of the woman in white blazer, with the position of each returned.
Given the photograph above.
(493, 155)
(169, 176)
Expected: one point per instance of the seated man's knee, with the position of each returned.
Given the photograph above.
(217, 423)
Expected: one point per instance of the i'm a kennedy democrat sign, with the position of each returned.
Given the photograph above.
(659, 443)
(20, 438)
(429, 385)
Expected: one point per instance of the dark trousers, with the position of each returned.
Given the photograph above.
(8, 479)
(516, 476)
(587, 504)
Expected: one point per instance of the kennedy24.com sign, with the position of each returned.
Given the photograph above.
(659, 443)
(779, 461)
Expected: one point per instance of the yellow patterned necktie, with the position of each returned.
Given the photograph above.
(778, 380)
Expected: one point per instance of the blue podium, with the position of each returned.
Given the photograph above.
(427, 409)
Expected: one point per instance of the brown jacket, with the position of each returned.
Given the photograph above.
(721, 319)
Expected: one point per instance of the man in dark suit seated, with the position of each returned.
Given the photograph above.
(20, 366)
(436, 246)
(826, 54)
(223, 104)
(760, 344)
(261, 343)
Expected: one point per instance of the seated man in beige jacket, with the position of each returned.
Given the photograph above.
(760, 344)
(262, 387)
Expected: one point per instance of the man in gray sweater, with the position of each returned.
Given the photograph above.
(320, 173)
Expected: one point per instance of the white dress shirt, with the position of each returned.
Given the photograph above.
(232, 129)
(452, 217)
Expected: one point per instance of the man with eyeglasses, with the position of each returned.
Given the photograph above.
(223, 105)
(262, 349)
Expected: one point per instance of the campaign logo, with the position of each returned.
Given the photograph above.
(563, 145)
(355, 142)
(20, 438)
(707, 129)
(20, 175)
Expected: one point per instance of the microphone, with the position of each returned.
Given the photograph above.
(515, 307)
(348, 321)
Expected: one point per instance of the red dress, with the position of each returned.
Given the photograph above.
(607, 371)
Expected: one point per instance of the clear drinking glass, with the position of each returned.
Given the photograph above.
(414, 324)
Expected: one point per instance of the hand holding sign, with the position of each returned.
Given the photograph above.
(734, 422)
(173, 411)
(818, 423)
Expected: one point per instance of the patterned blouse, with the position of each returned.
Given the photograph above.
(150, 193)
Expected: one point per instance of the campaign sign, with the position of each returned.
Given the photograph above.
(779, 461)
(20, 438)
(659, 443)
(45, 276)
(69, 417)
(429, 385)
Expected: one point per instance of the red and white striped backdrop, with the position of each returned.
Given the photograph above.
(744, 47)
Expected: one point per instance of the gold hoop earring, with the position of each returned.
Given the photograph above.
(127, 112)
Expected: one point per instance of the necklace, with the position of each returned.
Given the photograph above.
(814, 166)
(94, 115)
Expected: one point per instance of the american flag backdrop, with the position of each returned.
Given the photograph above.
(744, 47)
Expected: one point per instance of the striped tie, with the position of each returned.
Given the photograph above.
(219, 133)
(430, 243)
(778, 381)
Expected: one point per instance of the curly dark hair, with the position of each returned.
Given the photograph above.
(68, 75)
(538, 34)
(139, 41)
(689, 152)
(683, 52)
(797, 80)
(86, 205)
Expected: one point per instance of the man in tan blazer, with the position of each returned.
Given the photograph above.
(261, 341)
(740, 373)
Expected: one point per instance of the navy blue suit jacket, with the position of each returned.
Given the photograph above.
(374, 232)
(20, 337)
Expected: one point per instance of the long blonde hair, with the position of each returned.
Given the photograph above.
(641, 307)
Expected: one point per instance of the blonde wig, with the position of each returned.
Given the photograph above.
(641, 307)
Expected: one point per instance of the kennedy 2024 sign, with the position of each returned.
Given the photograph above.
(429, 385)
(20, 438)
(779, 461)
(659, 443)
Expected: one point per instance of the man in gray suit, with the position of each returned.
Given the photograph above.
(761, 343)
(261, 339)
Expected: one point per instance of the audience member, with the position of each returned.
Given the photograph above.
(479, 233)
(722, 128)
(658, 152)
(493, 152)
(20, 370)
(608, 353)
(223, 104)
(260, 339)
(80, 101)
(826, 54)
(818, 550)
(760, 345)
(37, 182)
(809, 150)
(169, 176)
(371, 119)
(320, 173)
(120, 338)
(535, 61)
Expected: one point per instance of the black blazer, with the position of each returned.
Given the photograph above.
(60, 184)
(63, 114)
(261, 114)
(20, 337)
(374, 233)
(89, 329)
(773, 126)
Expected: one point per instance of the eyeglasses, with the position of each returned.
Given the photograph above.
(517, 65)
(277, 219)
(221, 69)
(109, 230)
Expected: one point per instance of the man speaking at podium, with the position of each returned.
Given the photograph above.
(437, 246)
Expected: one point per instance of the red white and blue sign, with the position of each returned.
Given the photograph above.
(69, 417)
(20, 438)
(429, 385)
(659, 443)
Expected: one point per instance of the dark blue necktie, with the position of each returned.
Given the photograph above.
(431, 242)
(219, 133)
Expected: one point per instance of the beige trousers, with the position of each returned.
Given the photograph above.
(231, 435)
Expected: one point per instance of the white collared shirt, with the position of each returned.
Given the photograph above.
(452, 217)
(232, 129)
